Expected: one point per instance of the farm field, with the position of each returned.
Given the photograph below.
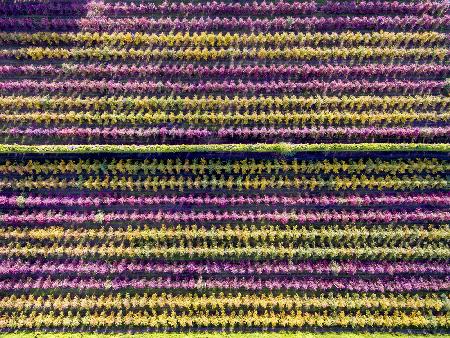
(235, 169)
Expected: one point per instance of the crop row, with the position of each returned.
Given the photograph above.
(228, 302)
(355, 54)
(126, 200)
(244, 234)
(222, 71)
(190, 250)
(221, 8)
(412, 253)
(202, 166)
(205, 267)
(204, 39)
(249, 283)
(369, 216)
(157, 311)
(321, 117)
(181, 183)
(267, 87)
(228, 23)
(221, 103)
(243, 319)
(127, 134)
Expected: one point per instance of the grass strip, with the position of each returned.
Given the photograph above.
(284, 148)
(218, 335)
